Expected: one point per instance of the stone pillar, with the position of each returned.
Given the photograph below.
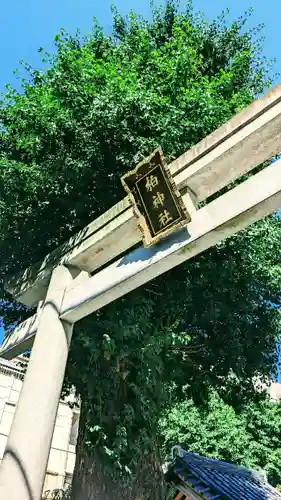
(23, 469)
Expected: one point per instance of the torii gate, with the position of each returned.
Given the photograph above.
(64, 290)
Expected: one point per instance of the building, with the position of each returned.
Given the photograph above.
(199, 478)
(62, 455)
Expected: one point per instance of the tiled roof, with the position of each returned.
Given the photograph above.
(216, 480)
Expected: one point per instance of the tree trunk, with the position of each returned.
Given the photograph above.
(93, 481)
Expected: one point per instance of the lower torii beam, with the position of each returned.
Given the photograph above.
(248, 202)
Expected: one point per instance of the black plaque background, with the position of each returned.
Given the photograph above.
(146, 201)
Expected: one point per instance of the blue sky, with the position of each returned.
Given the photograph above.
(26, 26)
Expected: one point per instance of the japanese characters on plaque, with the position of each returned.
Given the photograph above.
(156, 201)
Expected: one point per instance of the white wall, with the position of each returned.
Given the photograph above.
(62, 455)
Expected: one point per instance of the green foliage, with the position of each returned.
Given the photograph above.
(251, 437)
(104, 104)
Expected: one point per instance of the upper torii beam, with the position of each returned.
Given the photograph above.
(235, 148)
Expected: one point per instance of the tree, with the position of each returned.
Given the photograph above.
(103, 104)
(250, 437)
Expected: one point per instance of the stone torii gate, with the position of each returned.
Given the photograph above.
(69, 285)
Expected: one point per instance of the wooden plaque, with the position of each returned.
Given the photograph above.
(156, 201)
